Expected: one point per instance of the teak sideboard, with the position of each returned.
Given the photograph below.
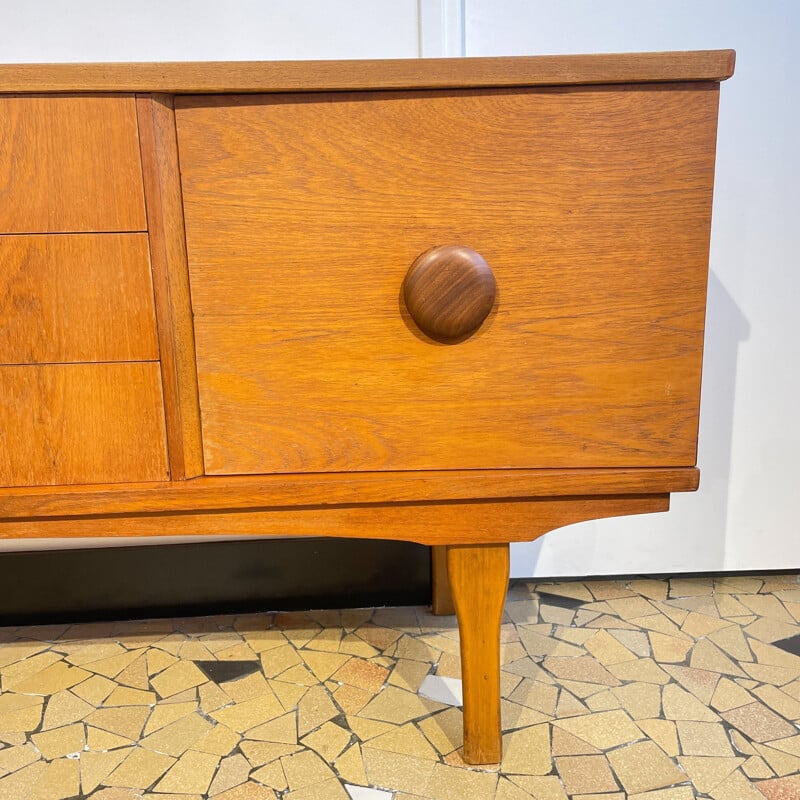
(458, 302)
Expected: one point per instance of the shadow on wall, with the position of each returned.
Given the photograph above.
(692, 535)
(726, 327)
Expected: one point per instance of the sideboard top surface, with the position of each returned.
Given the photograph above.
(298, 76)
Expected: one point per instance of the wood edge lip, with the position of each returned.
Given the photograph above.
(221, 77)
(242, 493)
(594, 507)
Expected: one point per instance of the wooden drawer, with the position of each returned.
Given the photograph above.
(75, 286)
(304, 212)
(83, 297)
(81, 423)
(69, 163)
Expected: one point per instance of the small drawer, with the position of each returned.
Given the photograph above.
(70, 163)
(82, 297)
(81, 423)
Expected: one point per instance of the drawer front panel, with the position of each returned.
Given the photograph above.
(303, 214)
(86, 297)
(69, 163)
(81, 423)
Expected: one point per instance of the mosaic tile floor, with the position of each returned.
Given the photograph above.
(613, 690)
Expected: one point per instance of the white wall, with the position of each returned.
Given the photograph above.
(744, 516)
(206, 30)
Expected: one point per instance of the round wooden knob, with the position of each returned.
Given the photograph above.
(449, 291)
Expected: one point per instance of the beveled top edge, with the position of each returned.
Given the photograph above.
(306, 76)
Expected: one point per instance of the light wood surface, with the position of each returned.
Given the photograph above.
(479, 581)
(292, 76)
(592, 207)
(82, 297)
(469, 522)
(69, 164)
(81, 423)
(441, 595)
(171, 278)
(245, 492)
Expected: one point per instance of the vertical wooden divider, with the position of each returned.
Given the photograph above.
(165, 224)
(479, 582)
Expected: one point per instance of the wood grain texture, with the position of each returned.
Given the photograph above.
(82, 297)
(280, 491)
(479, 582)
(170, 272)
(591, 205)
(295, 76)
(81, 423)
(69, 164)
(441, 594)
(467, 522)
(449, 291)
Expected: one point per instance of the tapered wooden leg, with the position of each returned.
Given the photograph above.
(442, 600)
(479, 582)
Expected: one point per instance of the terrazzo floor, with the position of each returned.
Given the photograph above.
(642, 689)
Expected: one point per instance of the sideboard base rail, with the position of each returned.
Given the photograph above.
(428, 523)
(245, 492)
